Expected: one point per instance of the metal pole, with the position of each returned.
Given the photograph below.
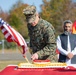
(2, 46)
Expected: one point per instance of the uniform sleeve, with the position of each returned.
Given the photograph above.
(50, 47)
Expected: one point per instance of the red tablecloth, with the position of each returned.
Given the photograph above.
(13, 70)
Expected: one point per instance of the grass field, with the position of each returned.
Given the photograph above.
(3, 64)
(12, 54)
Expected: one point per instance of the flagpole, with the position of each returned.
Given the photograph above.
(24, 55)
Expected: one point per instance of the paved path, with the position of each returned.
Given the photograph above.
(13, 56)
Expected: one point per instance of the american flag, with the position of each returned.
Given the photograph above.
(12, 35)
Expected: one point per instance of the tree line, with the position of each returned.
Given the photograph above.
(54, 11)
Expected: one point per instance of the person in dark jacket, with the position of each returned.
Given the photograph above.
(66, 44)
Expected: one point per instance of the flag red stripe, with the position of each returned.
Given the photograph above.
(2, 27)
(16, 39)
(5, 32)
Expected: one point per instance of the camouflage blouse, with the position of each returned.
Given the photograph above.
(42, 40)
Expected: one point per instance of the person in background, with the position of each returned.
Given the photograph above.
(42, 35)
(66, 44)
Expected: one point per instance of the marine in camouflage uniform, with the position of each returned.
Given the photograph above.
(42, 37)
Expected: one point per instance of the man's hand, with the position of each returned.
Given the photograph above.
(70, 55)
(34, 56)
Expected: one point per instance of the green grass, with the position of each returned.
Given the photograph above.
(3, 64)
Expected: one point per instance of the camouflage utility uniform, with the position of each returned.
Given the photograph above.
(42, 40)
